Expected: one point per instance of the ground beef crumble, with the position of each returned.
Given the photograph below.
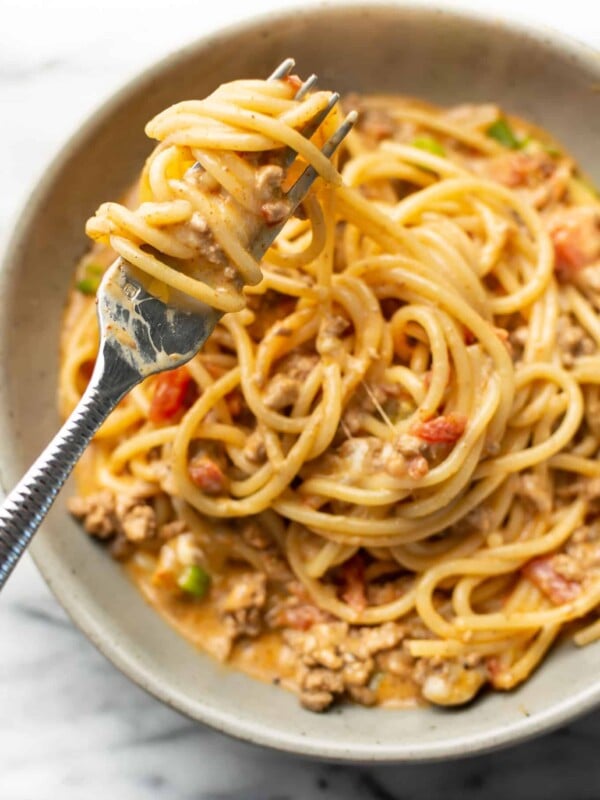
(572, 341)
(97, 511)
(284, 387)
(124, 519)
(338, 660)
(242, 607)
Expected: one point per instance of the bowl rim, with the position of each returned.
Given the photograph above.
(84, 618)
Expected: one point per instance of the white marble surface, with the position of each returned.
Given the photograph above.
(71, 726)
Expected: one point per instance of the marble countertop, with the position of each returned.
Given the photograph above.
(72, 727)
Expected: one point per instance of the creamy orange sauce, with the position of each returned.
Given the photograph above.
(394, 691)
(266, 658)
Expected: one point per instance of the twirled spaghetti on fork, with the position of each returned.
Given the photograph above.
(379, 478)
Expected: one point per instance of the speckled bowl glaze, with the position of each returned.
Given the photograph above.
(444, 57)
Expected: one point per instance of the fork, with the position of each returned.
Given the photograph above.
(139, 336)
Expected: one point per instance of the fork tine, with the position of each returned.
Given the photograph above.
(312, 126)
(282, 70)
(306, 87)
(267, 235)
(305, 181)
(338, 136)
(308, 130)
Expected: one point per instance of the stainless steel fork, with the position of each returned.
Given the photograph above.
(139, 336)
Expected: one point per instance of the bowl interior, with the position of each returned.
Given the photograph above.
(443, 57)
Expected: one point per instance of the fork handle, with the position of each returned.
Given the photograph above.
(26, 506)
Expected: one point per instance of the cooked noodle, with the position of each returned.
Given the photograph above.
(407, 407)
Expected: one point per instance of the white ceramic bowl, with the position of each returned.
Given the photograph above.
(444, 57)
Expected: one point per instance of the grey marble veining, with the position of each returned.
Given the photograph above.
(71, 726)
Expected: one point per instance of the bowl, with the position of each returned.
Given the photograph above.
(442, 56)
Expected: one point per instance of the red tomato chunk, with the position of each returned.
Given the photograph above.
(207, 475)
(543, 575)
(171, 394)
(575, 233)
(445, 429)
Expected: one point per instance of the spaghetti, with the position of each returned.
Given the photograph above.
(380, 478)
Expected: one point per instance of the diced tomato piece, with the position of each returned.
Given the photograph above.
(446, 429)
(557, 588)
(353, 582)
(207, 475)
(171, 394)
(294, 81)
(575, 233)
(568, 256)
